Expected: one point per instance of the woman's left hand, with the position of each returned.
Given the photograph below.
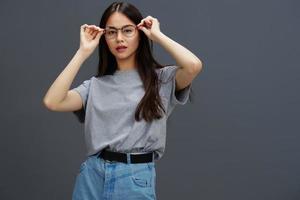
(150, 26)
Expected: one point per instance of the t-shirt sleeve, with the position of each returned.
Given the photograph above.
(175, 97)
(83, 91)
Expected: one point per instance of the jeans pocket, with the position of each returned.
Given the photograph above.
(142, 175)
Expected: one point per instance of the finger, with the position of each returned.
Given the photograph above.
(144, 30)
(152, 18)
(142, 22)
(139, 23)
(94, 27)
(149, 21)
(145, 24)
(96, 31)
(98, 35)
(82, 27)
(88, 28)
(149, 17)
(99, 29)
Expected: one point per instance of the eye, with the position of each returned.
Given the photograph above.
(111, 32)
(128, 30)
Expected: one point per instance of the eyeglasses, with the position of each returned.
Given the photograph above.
(127, 31)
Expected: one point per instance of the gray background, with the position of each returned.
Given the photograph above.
(239, 139)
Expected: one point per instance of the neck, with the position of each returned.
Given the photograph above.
(126, 64)
(126, 68)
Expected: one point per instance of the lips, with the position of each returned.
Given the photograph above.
(121, 47)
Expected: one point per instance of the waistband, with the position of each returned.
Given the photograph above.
(136, 157)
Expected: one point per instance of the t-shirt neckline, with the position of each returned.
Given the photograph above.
(126, 71)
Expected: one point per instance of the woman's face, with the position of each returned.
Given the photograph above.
(119, 20)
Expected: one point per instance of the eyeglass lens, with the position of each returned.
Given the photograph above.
(127, 31)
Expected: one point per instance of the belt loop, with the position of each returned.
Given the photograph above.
(128, 158)
(152, 156)
(98, 154)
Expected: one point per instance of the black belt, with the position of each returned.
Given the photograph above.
(122, 157)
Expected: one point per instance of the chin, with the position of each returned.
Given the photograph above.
(123, 56)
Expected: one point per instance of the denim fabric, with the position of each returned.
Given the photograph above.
(98, 179)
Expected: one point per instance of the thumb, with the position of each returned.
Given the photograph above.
(144, 30)
(82, 28)
(98, 35)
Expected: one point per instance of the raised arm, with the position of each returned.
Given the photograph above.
(58, 96)
(189, 64)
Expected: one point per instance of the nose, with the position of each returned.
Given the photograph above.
(119, 35)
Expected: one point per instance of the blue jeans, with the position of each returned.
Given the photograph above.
(99, 179)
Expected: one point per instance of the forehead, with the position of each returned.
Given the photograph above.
(118, 20)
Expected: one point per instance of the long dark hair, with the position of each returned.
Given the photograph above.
(150, 107)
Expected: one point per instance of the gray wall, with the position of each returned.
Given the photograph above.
(237, 140)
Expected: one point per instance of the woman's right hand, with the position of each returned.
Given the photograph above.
(89, 38)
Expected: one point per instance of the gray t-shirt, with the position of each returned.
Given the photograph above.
(109, 103)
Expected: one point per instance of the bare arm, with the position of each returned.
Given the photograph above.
(60, 87)
(190, 65)
(58, 96)
(184, 58)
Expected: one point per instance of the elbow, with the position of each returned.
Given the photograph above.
(197, 66)
(48, 105)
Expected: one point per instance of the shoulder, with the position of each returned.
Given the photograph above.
(167, 73)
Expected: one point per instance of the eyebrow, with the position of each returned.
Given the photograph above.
(121, 27)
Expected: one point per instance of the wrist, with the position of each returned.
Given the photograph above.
(158, 37)
(82, 53)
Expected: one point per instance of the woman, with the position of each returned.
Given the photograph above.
(125, 106)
